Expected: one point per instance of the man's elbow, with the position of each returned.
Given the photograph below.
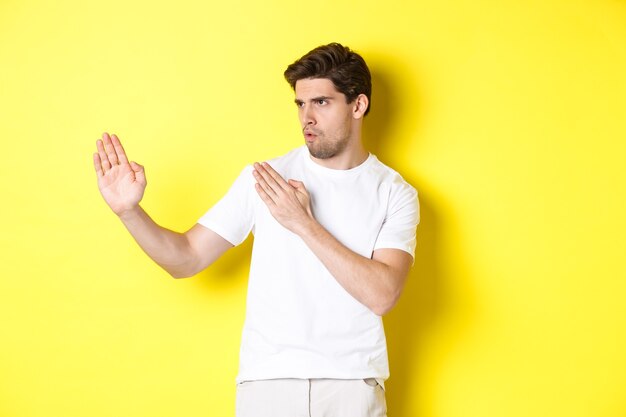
(180, 275)
(181, 272)
(186, 270)
(390, 286)
(384, 304)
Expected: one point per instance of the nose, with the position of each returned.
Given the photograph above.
(307, 115)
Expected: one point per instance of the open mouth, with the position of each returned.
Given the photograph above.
(309, 135)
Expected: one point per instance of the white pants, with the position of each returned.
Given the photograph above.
(311, 398)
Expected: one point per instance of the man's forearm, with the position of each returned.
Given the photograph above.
(373, 283)
(169, 249)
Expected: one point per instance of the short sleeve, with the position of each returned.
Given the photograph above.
(400, 224)
(232, 217)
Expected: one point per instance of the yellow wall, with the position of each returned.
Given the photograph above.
(507, 116)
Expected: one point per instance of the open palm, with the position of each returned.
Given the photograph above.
(121, 183)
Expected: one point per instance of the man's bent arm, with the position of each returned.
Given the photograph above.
(375, 283)
(180, 254)
(122, 184)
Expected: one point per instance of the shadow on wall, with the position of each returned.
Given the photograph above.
(409, 323)
(234, 263)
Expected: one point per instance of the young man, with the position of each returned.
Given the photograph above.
(334, 238)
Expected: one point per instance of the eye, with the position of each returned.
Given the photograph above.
(322, 102)
(299, 103)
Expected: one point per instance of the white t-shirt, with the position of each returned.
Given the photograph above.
(300, 323)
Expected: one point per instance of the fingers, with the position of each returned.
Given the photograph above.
(272, 177)
(110, 152)
(109, 149)
(119, 149)
(104, 159)
(264, 195)
(97, 164)
(275, 175)
(263, 185)
(263, 177)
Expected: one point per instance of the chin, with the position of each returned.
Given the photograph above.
(320, 153)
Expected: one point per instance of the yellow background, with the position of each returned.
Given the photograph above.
(508, 116)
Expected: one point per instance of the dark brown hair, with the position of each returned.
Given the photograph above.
(344, 67)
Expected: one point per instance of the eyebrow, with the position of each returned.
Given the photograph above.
(298, 101)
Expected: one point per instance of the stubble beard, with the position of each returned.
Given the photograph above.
(323, 148)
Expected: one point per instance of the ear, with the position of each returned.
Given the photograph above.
(360, 106)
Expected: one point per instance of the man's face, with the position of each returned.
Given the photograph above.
(325, 117)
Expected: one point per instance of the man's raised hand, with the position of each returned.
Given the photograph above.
(121, 183)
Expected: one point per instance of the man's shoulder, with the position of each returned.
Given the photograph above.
(390, 176)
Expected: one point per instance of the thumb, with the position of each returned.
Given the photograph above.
(296, 184)
(299, 186)
(140, 175)
(135, 166)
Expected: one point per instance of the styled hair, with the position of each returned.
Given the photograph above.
(345, 68)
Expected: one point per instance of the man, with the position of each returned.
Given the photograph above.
(334, 237)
